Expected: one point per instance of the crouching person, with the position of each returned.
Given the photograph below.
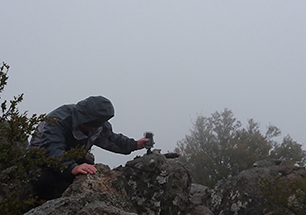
(77, 125)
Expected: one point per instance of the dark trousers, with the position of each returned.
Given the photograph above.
(51, 184)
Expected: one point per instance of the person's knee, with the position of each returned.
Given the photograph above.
(45, 184)
(51, 184)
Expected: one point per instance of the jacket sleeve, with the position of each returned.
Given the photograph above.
(113, 142)
(53, 139)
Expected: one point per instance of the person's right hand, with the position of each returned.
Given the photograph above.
(141, 142)
(84, 169)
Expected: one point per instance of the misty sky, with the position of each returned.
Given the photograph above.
(161, 63)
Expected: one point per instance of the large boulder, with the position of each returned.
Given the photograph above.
(157, 185)
(244, 193)
(150, 184)
(100, 193)
(198, 197)
(153, 184)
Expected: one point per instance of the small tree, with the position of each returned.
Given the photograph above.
(205, 150)
(290, 150)
(218, 147)
(16, 165)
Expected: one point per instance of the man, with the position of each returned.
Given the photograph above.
(82, 124)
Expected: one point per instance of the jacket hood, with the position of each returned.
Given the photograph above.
(97, 109)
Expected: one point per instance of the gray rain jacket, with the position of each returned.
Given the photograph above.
(65, 133)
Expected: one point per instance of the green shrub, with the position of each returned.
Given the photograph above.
(17, 167)
(286, 195)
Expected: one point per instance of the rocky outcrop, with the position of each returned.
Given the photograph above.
(198, 197)
(157, 185)
(100, 193)
(153, 184)
(150, 184)
(244, 195)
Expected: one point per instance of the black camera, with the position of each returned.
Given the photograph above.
(149, 144)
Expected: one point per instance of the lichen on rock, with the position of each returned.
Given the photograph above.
(157, 185)
(150, 184)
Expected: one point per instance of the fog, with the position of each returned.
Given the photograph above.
(161, 63)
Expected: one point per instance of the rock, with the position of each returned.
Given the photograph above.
(200, 210)
(157, 185)
(84, 204)
(100, 193)
(150, 184)
(153, 184)
(198, 194)
(243, 194)
(268, 162)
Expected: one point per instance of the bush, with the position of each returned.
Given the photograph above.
(17, 167)
(285, 197)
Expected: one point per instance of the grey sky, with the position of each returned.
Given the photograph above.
(161, 63)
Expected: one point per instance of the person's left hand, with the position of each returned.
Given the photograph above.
(84, 169)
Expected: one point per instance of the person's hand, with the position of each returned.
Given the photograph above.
(84, 169)
(141, 142)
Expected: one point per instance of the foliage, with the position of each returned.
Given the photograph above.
(218, 147)
(289, 149)
(285, 197)
(17, 168)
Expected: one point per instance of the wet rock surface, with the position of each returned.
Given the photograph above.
(243, 194)
(150, 184)
(100, 193)
(157, 185)
(198, 197)
(153, 184)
